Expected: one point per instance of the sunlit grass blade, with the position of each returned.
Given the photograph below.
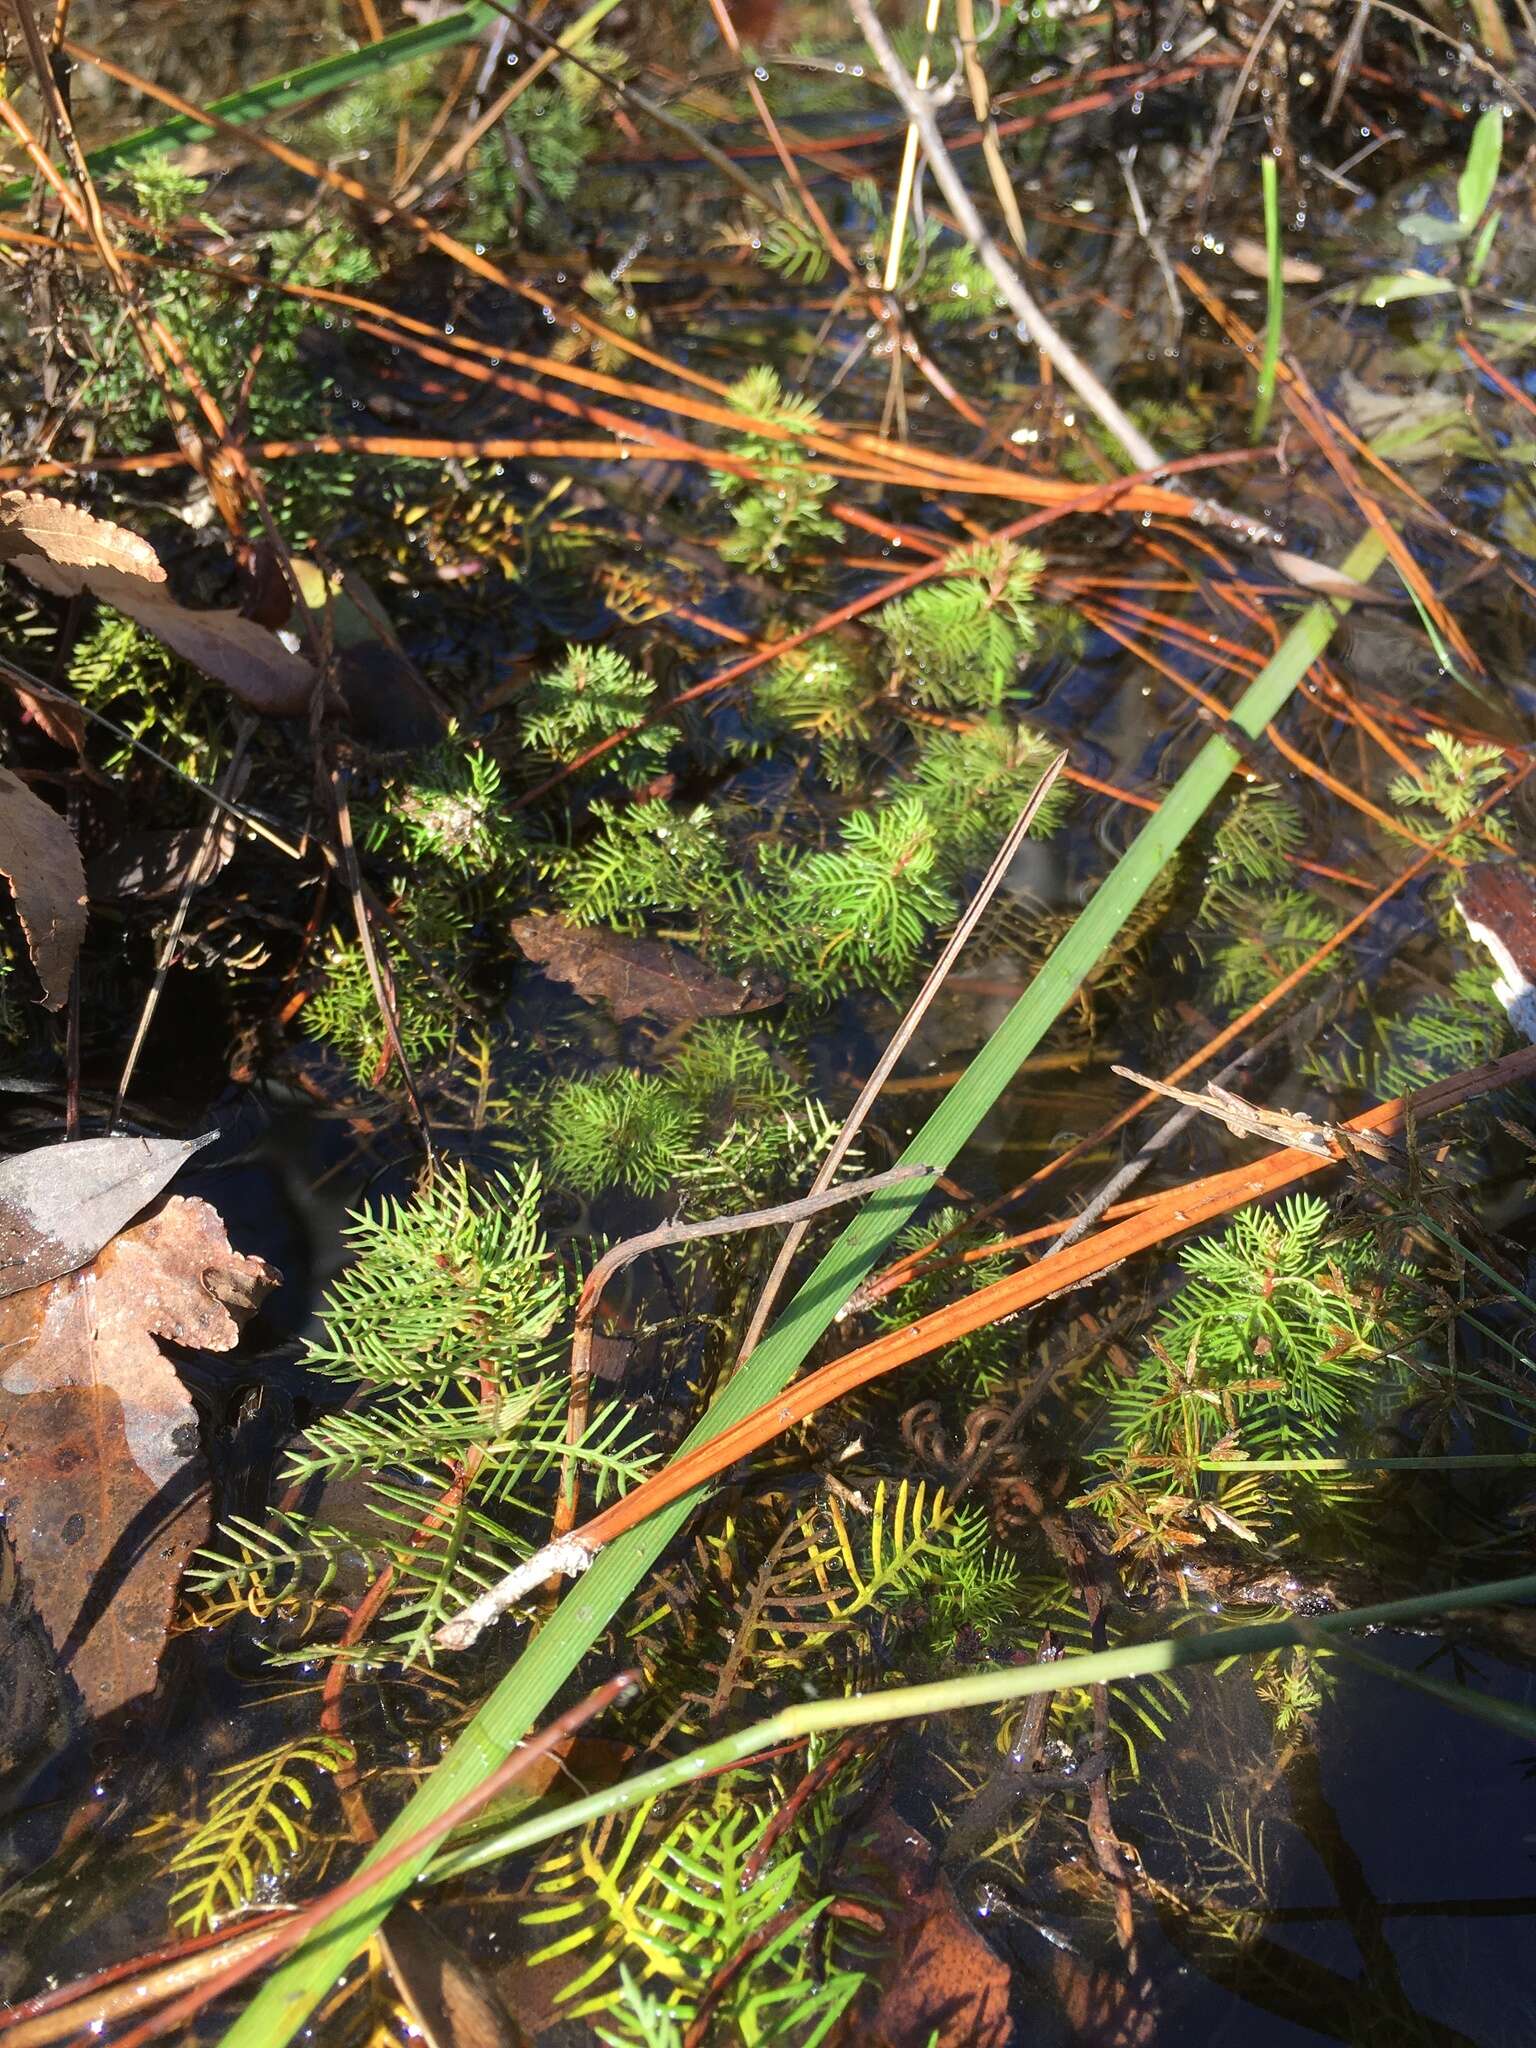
(1274, 312)
(577, 1623)
(1013, 1682)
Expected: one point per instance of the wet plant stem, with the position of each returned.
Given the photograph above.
(1274, 312)
(998, 1684)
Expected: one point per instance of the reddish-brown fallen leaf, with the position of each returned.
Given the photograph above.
(950, 1989)
(65, 550)
(640, 977)
(451, 2000)
(62, 722)
(40, 860)
(99, 1475)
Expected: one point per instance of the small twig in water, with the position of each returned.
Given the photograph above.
(352, 875)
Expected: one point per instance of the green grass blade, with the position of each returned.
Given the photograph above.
(1480, 174)
(1012, 1682)
(1274, 317)
(521, 1698)
(287, 90)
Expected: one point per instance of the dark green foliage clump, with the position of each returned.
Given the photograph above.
(135, 680)
(720, 1121)
(974, 784)
(593, 694)
(449, 815)
(647, 857)
(778, 512)
(455, 849)
(245, 349)
(530, 167)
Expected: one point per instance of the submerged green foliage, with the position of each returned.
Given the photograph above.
(256, 1829)
(854, 916)
(720, 1121)
(704, 1908)
(444, 1328)
(778, 512)
(1282, 1336)
(1265, 927)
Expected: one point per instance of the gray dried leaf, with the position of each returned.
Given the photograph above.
(61, 1203)
(1325, 582)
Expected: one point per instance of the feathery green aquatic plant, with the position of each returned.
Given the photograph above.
(779, 512)
(594, 692)
(720, 1121)
(257, 1828)
(957, 644)
(444, 1330)
(1281, 1339)
(854, 916)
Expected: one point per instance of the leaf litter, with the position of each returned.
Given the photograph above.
(100, 1474)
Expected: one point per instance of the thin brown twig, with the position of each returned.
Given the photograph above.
(229, 784)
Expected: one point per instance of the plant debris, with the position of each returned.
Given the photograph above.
(100, 1482)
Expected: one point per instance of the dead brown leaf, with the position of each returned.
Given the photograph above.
(99, 1476)
(31, 524)
(40, 860)
(63, 722)
(451, 2000)
(64, 550)
(639, 977)
(250, 662)
(1252, 256)
(951, 1989)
